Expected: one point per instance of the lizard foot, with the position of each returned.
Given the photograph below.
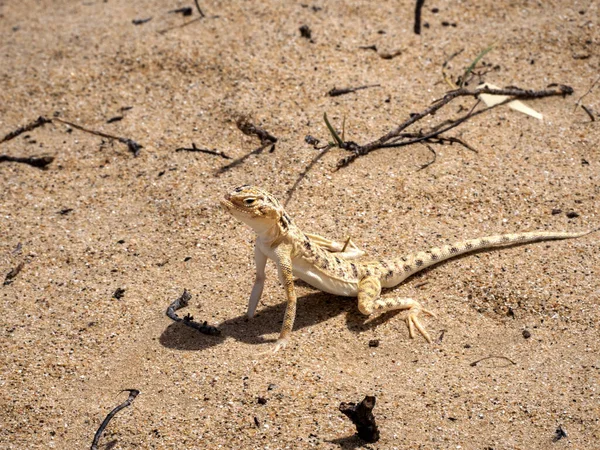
(279, 345)
(412, 320)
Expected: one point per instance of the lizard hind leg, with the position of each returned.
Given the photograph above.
(370, 301)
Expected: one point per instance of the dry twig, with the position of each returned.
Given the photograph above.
(188, 320)
(399, 138)
(133, 393)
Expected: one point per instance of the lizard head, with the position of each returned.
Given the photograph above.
(255, 207)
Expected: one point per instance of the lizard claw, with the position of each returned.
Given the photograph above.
(413, 322)
(280, 344)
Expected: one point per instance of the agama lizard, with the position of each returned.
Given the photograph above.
(333, 267)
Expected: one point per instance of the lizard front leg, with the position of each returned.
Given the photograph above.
(284, 268)
(370, 301)
(260, 259)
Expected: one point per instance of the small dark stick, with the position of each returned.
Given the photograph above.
(203, 150)
(418, 8)
(474, 363)
(35, 161)
(337, 92)
(198, 8)
(133, 393)
(10, 276)
(133, 146)
(362, 416)
(188, 320)
(40, 121)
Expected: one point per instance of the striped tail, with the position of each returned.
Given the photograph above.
(408, 265)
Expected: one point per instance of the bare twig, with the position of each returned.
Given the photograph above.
(578, 102)
(198, 8)
(188, 320)
(133, 393)
(474, 363)
(588, 112)
(203, 150)
(418, 8)
(303, 174)
(40, 121)
(362, 417)
(249, 129)
(133, 146)
(427, 164)
(399, 138)
(337, 92)
(35, 161)
(10, 276)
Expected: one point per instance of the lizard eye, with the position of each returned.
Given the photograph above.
(249, 201)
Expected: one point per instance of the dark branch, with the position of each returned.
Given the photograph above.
(337, 92)
(40, 121)
(418, 8)
(133, 393)
(362, 417)
(35, 161)
(203, 150)
(188, 320)
(10, 276)
(398, 137)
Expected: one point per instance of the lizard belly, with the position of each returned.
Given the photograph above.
(309, 274)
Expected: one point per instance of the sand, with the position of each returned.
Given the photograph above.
(151, 225)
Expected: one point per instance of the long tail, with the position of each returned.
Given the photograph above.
(410, 264)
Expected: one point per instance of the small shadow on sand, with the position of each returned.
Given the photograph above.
(311, 309)
(349, 442)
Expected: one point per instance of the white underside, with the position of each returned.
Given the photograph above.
(309, 274)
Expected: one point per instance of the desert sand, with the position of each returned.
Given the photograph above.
(99, 219)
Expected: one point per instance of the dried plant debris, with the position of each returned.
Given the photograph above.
(193, 148)
(399, 137)
(362, 417)
(40, 161)
(185, 11)
(133, 146)
(10, 276)
(249, 129)
(337, 92)
(133, 393)
(188, 320)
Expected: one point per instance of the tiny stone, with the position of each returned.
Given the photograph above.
(271, 387)
(374, 343)
(305, 32)
(526, 334)
(572, 214)
(261, 400)
(119, 293)
(556, 211)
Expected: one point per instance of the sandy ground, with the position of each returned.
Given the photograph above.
(151, 225)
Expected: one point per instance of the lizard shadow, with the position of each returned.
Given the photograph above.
(311, 309)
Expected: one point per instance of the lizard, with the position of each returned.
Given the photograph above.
(335, 268)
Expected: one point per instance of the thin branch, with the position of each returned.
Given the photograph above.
(337, 92)
(188, 320)
(203, 150)
(578, 102)
(303, 174)
(418, 8)
(133, 146)
(474, 363)
(249, 129)
(133, 393)
(427, 164)
(394, 137)
(198, 8)
(35, 161)
(40, 121)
